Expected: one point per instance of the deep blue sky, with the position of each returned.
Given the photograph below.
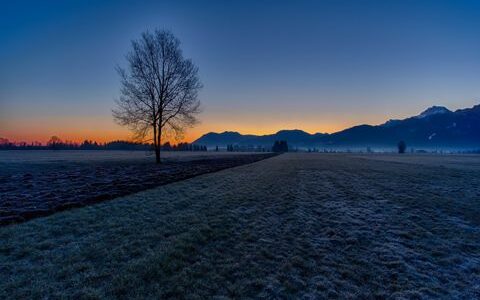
(266, 65)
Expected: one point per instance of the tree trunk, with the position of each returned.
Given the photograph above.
(159, 144)
(156, 145)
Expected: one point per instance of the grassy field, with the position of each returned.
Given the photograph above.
(296, 225)
(85, 156)
(57, 181)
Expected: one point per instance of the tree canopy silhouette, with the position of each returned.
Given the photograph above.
(54, 143)
(280, 146)
(159, 89)
(402, 146)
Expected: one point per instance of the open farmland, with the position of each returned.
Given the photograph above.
(295, 225)
(39, 183)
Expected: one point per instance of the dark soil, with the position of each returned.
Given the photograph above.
(40, 189)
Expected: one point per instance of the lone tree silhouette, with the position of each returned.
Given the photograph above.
(54, 143)
(402, 146)
(159, 89)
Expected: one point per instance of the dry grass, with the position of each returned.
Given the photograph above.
(56, 156)
(456, 161)
(297, 225)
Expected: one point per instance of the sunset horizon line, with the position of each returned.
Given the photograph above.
(123, 135)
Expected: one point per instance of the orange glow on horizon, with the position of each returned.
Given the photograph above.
(101, 128)
(112, 133)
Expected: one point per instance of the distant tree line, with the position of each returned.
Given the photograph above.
(278, 146)
(183, 147)
(55, 143)
(245, 148)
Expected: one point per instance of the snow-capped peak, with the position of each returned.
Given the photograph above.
(434, 110)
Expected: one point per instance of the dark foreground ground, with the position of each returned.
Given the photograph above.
(30, 189)
(292, 226)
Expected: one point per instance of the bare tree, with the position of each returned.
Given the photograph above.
(159, 89)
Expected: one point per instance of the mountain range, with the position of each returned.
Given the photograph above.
(436, 127)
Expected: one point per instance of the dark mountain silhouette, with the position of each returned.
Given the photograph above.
(295, 137)
(436, 127)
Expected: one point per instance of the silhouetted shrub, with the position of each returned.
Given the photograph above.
(402, 146)
(280, 146)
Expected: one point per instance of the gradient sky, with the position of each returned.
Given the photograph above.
(320, 66)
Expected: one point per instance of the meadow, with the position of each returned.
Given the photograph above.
(302, 225)
(39, 183)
